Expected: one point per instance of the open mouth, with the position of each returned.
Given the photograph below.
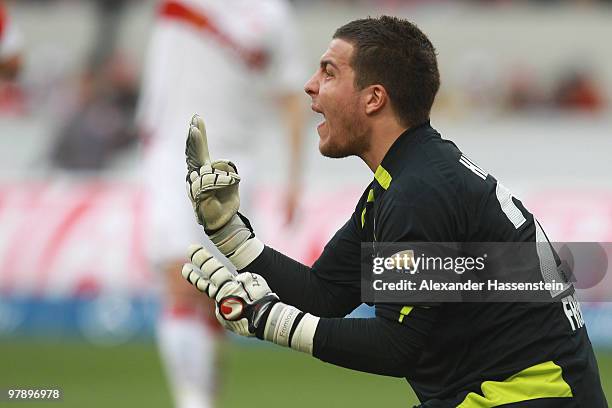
(317, 109)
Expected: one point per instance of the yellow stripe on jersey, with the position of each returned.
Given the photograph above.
(543, 380)
(383, 177)
(371, 195)
(404, 312)
(363, 212)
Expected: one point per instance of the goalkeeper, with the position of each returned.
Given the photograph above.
(375, 87)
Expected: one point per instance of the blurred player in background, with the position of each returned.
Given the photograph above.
(236, 61)
(10, 45)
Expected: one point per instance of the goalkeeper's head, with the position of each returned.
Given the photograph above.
(378, 75)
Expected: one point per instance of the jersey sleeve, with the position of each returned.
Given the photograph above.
(330, 288)
(340, 260)
(377, 346)
(390, 343)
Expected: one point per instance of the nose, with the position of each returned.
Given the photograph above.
(312, 86)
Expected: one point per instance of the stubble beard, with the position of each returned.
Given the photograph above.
(354, 141)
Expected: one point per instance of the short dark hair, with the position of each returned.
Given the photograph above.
(393, 52)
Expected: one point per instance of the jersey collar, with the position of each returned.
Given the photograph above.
(392, 162)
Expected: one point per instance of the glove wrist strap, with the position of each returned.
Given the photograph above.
(288, 326)
(246, 253)
(303, 338)
(237, 242)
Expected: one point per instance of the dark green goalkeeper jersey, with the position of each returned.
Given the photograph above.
(474, 354)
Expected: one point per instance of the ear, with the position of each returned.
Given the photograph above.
(376, 98)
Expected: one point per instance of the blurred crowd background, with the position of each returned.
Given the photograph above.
(526, 91)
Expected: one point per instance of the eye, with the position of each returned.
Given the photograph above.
(328, 73)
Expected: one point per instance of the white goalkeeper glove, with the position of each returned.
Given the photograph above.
(213, 190)
(246, 306)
